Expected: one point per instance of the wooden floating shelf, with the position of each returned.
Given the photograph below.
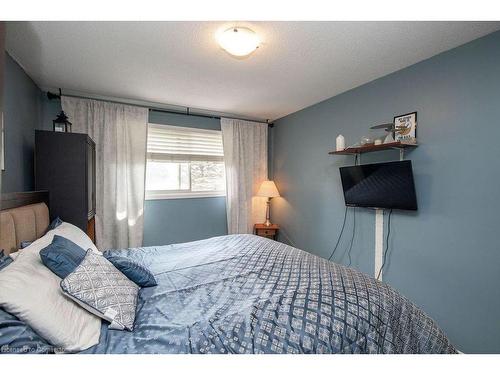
(373, 148)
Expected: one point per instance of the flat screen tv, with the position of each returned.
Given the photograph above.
(381, 185)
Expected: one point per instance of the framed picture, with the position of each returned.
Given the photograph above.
(405, 127)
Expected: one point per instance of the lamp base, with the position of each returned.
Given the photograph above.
(268, 213)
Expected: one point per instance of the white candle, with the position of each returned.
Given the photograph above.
(340, 142)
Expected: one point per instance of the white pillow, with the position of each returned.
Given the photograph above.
(14, 255)
(32, 292)
(65, 230)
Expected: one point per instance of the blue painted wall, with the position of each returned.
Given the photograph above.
(446, 256)
(21, 118)
(181, 220)
(188, 219)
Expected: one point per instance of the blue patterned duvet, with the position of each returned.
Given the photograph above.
(247, 294)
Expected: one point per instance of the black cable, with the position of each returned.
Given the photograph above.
(353, 222)
(386, 244)
(352, 237)
(340, 234)
(343, 223)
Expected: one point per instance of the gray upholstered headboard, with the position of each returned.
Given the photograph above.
(23, 217)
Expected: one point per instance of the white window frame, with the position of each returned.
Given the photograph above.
(182, 194)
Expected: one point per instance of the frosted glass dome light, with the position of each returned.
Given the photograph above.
(238, 41)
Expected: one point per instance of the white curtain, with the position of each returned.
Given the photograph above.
(120, 133)
(245, 157)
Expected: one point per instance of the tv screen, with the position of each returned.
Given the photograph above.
(381, 185)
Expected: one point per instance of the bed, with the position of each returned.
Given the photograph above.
(248, 294)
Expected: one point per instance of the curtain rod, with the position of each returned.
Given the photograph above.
(53, 96)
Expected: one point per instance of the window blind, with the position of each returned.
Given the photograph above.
(175, 144)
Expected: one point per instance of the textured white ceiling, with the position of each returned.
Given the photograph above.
(299, 63)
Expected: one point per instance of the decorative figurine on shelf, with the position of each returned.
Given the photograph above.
(389, 138)
(389, 128)
(340, 143)
(366, 141)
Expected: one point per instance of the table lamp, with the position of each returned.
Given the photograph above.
(268, 190)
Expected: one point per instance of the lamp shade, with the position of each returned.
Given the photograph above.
(268, 189)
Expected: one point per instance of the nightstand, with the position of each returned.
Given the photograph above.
(267, 231)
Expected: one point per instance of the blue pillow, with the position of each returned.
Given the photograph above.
(62, 256)
(17, 337)
(134, 271)
(5, 260)
(55, 223)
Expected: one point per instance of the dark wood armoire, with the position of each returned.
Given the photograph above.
(65, 166)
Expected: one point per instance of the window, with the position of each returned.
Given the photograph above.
(184, 163)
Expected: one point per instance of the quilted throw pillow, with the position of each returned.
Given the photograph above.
(133, 270)
(100, 288)
(62, 256)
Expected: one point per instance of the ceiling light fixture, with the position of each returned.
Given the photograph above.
(238, 41)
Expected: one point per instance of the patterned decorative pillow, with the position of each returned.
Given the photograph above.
(100, 288)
